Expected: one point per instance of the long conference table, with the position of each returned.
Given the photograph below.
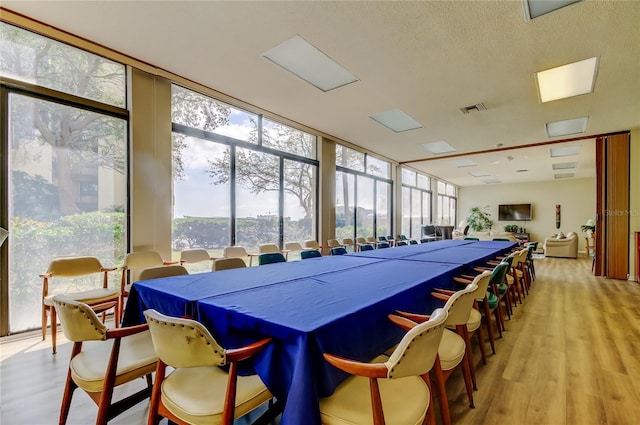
(336, 304)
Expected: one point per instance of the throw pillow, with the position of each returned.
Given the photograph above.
(561, 236)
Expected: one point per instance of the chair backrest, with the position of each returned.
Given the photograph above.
(338, 251)
(228, 263)
(183, 342)
(401, 243)
(402, 237)
(429, 230)
(413, 242)
(268, 247)
(382, 238)
(501, 240)
(383, 245)
(162, 271)
(459, 305)
(372, 239)
(366, 247)
(417, 351)
(310, 253)
(361, 240)
(74, 266)
(293, 246)
(471, 239)
(482, 282)
(79, 322)
(520, 256)
(498, 273)
(313, 244)
(271, 257)
(333, 243)
(235, 252)
(194, 255)
(348, 241)
(136, 261)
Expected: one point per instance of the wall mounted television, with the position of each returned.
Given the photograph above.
(514, 212)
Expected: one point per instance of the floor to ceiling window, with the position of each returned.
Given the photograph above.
(64, 127)
(363, 195)
(239, 178)
(447, 202)
(416, 203)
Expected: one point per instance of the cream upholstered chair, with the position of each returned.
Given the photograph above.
(238, 252)
(566, 247)
(348, 242)
(228, 263)
(195, 256)
(112, 357)
(266, 248)
(162, 271)
(313, 244)
(100, 299)
(134, 262)
(291, 247)
(394, 389)
(197, 390)
(454, 348)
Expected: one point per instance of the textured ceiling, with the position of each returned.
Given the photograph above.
(427, 58)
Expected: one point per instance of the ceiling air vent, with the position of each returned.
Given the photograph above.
(477, 107)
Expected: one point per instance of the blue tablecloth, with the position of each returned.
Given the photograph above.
(336, 304)
(342, 312)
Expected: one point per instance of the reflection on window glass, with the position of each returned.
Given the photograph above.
(442, 187)
(416, 212)
(383, 212)
(286, 139)
(345, 199)
(364, 208)
(67, 196)
(426, 208)
(406, 211)
(424, 182)
(205, 113)
(201, 190)
(32, 58)
(257, 206)
(349, 158)
(451, 190)
(299, 207)
(408, 177)
(378, 167)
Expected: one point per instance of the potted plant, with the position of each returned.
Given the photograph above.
(480, 219)
(589, 227)
(511, 228)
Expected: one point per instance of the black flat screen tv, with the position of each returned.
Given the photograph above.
(514, 212)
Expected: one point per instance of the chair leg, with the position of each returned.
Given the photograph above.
(486, 318)
(468, 354)
(69, 388)
(44, 322)
(466, 370)
(483, 353)
(54, 329)
(497, 312)
(442, 393)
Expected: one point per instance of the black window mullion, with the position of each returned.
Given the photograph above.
(281, 205)
(232, 195)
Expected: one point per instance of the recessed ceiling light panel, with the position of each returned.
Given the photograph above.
(564, 165)
(566, 127)
(479, 173)
(396, 120)
(568, 80)
(492, 181)
(307, 62)
(535, 8)
(563, 175)
(564, 151)
(438, 148)
(461, 163)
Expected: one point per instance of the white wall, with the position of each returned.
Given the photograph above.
(577, 198)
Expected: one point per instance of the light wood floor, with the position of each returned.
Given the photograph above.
(571, 355)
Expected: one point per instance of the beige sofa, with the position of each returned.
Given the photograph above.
(566, 247)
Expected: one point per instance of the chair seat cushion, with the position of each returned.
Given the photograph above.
(493, 300)
(404, 401)
(502, 288)
(91, 296)
(451, 350)
(137, 358)
(509, 279)
(196, 394)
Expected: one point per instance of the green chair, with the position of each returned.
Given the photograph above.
(413, 242)
(383, 245)
(366, 247)
(271, 258)
(471, 239)
(310, 253)
(340, 250)
(500, 239)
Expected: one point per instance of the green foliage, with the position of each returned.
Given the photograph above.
(513, 228)
(480, 219)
